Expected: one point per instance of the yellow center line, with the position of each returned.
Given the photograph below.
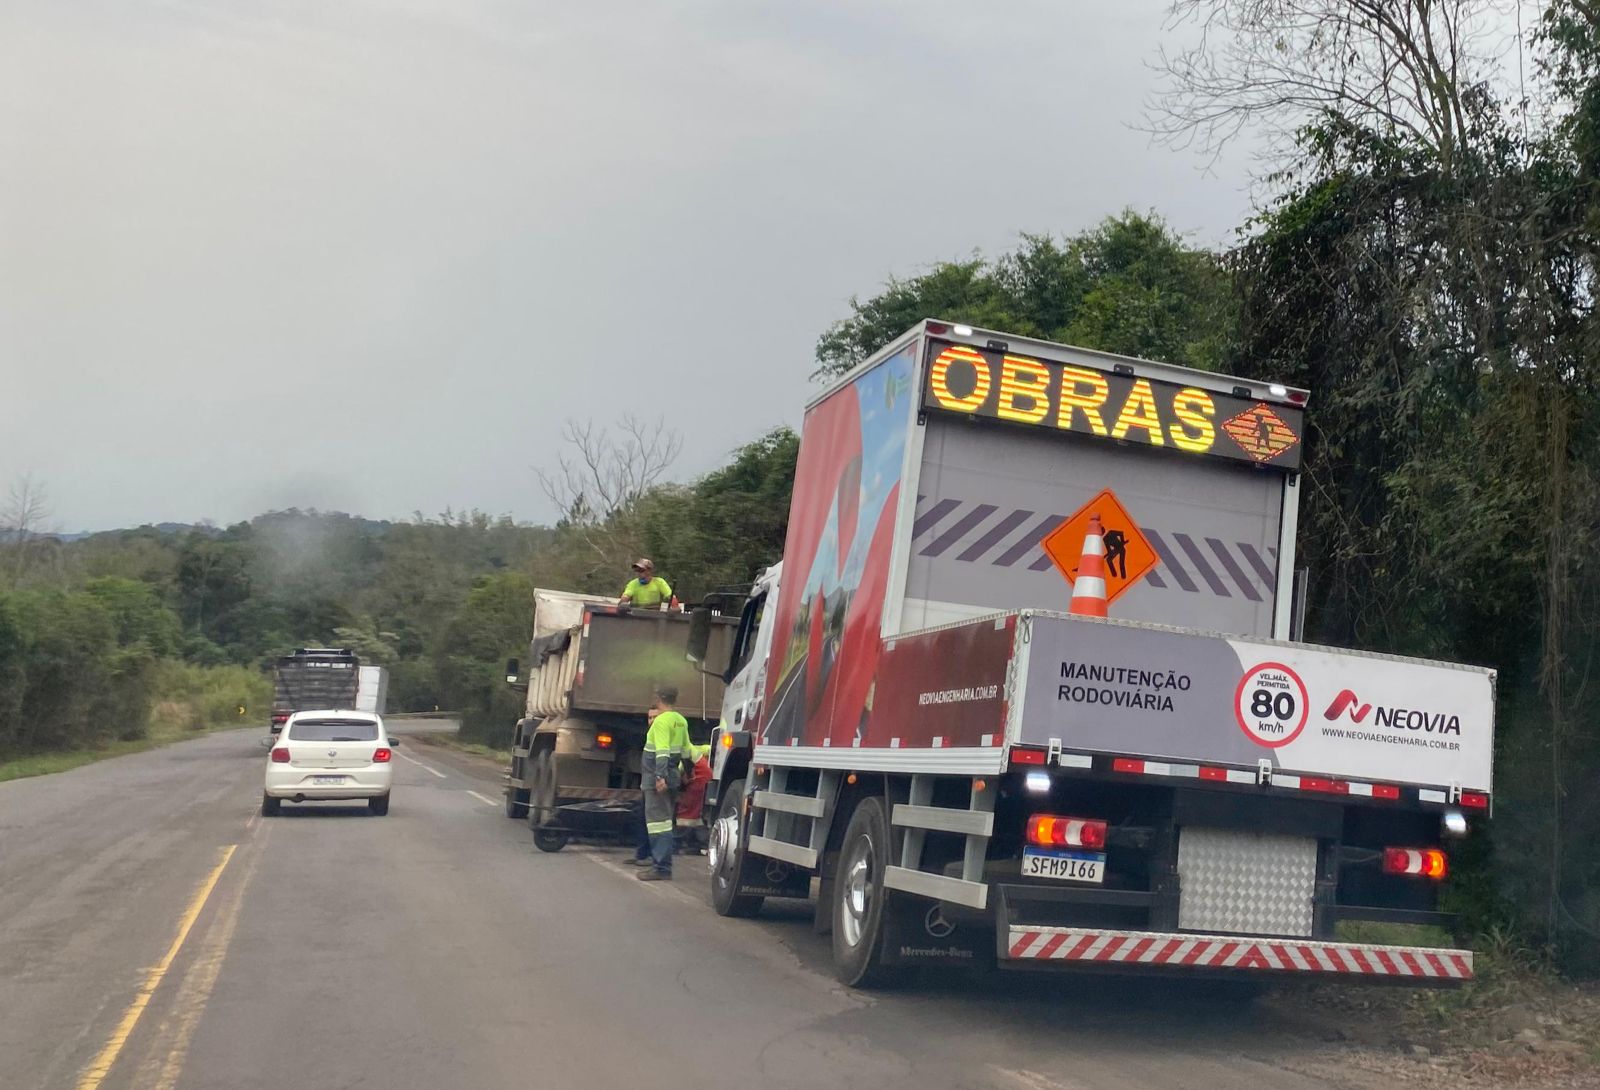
(97, 1070)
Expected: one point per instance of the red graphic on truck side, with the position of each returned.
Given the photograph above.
(827, 637)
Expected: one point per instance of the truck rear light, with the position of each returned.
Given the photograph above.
(1416, 862)
(938, 329)
(1028, 755)
(1038, 783)
(1477, 800)
(603, 740)
(280, 717)
(280, 756)
(381, 755)
(1049, 831)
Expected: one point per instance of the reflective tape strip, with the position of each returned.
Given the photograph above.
(1074, 944)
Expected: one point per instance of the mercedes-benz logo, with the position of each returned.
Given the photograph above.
(333, 753)
(777, 872)
(936, 924)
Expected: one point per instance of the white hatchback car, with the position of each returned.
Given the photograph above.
(325, 756)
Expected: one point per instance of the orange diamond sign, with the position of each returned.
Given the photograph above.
(1260, 433)
(1128, 555)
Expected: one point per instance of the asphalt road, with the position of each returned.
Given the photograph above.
(435, 948)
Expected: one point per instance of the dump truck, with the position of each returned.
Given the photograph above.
(313, 679)
(593, 669)
(972, 773)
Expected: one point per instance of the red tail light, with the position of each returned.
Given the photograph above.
(280, 756)
(381, 755)
(1049, 831)
(1416, 862)
(280, 717)
(1027, 755)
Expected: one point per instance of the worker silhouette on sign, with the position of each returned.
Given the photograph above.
(1264, 431)
(1116, 553)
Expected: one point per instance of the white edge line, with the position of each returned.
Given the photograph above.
(419, 764)
(482, 799)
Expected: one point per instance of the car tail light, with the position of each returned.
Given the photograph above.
(604, 740)
(280, 756)
(1028, 755)
(1416, 862)
(381, 755)
(1049, 831)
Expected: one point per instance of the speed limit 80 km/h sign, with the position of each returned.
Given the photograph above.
(1271, 704)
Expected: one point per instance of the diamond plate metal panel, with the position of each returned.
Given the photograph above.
(1246, 883)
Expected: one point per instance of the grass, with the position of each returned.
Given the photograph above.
(477, 749)
(45, 764)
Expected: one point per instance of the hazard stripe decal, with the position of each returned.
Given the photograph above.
(1216, 952)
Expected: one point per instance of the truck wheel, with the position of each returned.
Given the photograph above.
(270, 806)
(516, 803)
(858, 901)
(726, 857)
(541, 806)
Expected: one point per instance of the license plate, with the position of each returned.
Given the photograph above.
(327, 779)
(1064, 866)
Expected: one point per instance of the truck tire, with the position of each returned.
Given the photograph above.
(516, 803)
(858, 901)
(727, 858)
(542, 803)
(379, 805)
(270, 806)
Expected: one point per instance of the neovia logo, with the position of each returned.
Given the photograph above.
(1433, 722)
(1346, 701)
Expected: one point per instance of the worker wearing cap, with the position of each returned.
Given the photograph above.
(660, 775)
(646, 589)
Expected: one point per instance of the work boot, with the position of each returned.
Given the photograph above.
(653, 875)
(645, 862)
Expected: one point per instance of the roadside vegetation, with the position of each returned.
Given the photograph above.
(1424, 260)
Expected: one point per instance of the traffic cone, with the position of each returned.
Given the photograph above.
(1089, 588)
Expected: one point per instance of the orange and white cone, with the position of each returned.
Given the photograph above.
(1089, 588)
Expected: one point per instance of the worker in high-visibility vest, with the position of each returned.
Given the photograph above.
(647, 590)
(666, 746)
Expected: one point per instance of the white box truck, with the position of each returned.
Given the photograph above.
(914, 717)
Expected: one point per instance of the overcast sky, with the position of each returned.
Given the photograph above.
(369, 255)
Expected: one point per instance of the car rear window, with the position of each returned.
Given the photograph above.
(334, 730)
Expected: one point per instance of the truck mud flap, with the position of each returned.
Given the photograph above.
(602, 818)
(924, 932)
(763, 877)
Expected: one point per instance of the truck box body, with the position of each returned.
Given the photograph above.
(914, 524)
(314, 679)
(588, 655)
(372, 690)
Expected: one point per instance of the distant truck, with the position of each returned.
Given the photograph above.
(314, 679)
(372, 690)
(976, 775)
(592, 671)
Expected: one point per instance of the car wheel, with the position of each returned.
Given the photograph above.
(858, 901)
(726, 857)
(379, 806)
(270, 806)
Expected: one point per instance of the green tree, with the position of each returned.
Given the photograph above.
(1129, 285)
(491, 626)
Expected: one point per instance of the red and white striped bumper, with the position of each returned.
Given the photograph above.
(1169, 951)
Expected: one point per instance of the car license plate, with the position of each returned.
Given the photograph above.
(1064, 866)
(327, 779)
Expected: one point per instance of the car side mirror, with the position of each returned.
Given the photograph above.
(513, 671)
(699, 634)
(394, 743)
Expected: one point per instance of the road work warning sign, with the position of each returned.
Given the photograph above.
(1128, 556)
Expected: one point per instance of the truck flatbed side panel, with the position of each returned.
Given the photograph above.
(1178, 695)
(942, 689)
(837, 557)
